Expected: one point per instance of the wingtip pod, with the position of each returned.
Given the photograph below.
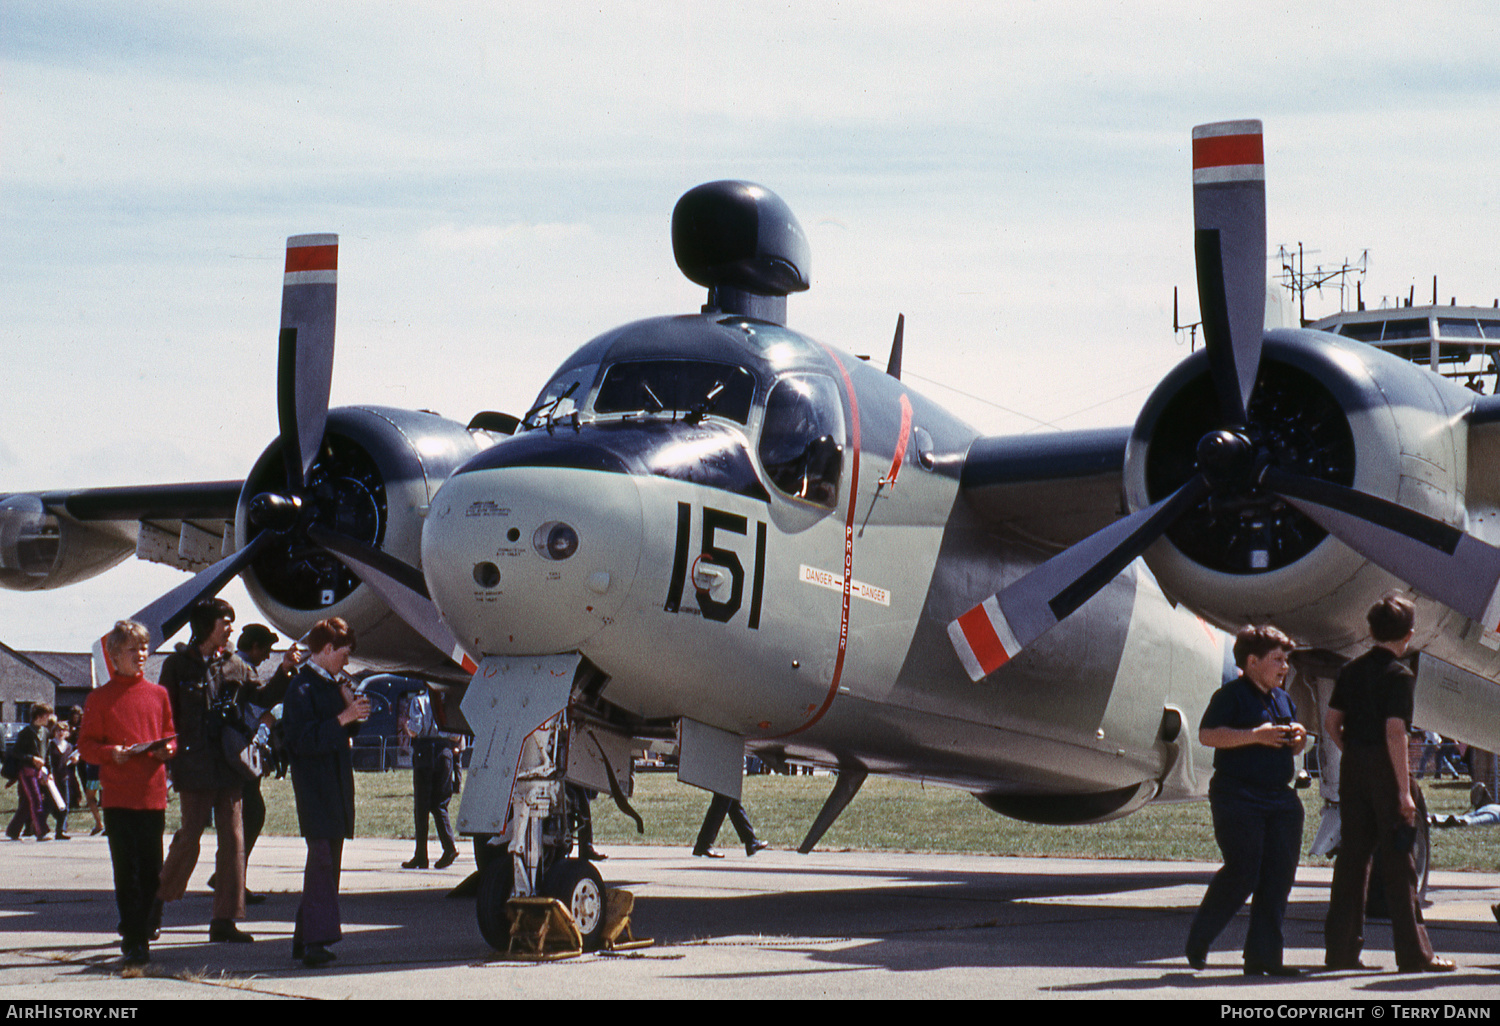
(983, 639)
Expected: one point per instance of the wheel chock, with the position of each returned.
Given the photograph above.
(617, 936)
(541, 929)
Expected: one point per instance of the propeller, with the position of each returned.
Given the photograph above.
(1455, 568)
(400, 585)
(304, 359)
(304, 374)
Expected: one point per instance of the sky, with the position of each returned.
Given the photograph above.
(1014, 177)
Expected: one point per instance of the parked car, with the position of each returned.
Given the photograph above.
(380, 746)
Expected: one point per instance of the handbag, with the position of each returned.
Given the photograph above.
(241, 752)
(238, 743)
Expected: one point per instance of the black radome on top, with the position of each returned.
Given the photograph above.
(740, 237)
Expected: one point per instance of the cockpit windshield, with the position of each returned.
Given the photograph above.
(690, 388)
(564, 394)
(801, 438)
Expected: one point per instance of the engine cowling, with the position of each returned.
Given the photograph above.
(1324, 407)
(372, 480)
(40, 549)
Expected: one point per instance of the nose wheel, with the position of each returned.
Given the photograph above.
(578, 885)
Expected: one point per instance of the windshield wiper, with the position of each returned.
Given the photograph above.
(706, 406)
(652, 396)
(550, 405)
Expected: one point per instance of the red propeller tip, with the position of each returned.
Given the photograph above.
(1228, 151)
(983, 639)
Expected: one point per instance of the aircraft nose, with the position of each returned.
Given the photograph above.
(531, 560)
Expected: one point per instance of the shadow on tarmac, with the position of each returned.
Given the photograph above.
(837, 919)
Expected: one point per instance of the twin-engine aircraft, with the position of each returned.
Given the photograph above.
(715, 531)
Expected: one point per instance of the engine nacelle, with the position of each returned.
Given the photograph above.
(1323, 407)
(372, 480)
(40, 549)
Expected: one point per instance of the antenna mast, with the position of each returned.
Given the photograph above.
(1299, 280)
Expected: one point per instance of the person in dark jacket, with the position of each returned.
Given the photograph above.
(60, 759)
(31, 752)
(1368, 718)
(206, 783)
(320, 716)
(254, 699)
(432, 769)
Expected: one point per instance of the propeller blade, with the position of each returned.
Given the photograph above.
(995, 631)
(1229, 214)
(400, 585)
(304, 367)
(165, 617)
(1439, 560)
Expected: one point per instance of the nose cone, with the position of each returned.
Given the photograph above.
(531, 560)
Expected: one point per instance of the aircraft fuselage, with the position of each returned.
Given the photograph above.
(729, 519)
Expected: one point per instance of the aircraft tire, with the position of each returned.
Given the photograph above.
(495, 881)
(484, 852)
(578, 885)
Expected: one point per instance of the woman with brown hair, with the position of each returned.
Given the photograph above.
(320, 716)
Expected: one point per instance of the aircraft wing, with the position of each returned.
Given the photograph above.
(50, 539)
(1050, 490)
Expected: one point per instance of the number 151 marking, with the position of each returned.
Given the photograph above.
(715, 520)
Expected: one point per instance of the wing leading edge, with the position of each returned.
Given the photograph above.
(1049, 490)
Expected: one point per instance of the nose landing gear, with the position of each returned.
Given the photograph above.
(535, 901)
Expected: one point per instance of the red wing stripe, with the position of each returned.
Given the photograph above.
(312, 258)
(1228, 151)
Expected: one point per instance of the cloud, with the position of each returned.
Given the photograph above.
(483, 238)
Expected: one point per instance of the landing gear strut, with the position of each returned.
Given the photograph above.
(534, 860)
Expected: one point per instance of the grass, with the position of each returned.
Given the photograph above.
(887, 815)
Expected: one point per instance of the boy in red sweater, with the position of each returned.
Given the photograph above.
(127, 732)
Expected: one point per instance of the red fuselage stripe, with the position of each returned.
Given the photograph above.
(901, 440)
(838, 664)
(312, 258)
(1228, 151)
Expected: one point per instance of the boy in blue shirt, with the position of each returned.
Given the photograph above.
(1252, 726)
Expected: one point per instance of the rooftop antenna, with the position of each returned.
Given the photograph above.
(1191, 329)
(1299, 280)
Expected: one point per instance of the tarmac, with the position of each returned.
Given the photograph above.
(830, 925)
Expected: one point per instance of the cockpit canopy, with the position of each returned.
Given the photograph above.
(801, 438)
(798, 416)
(691, 388)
